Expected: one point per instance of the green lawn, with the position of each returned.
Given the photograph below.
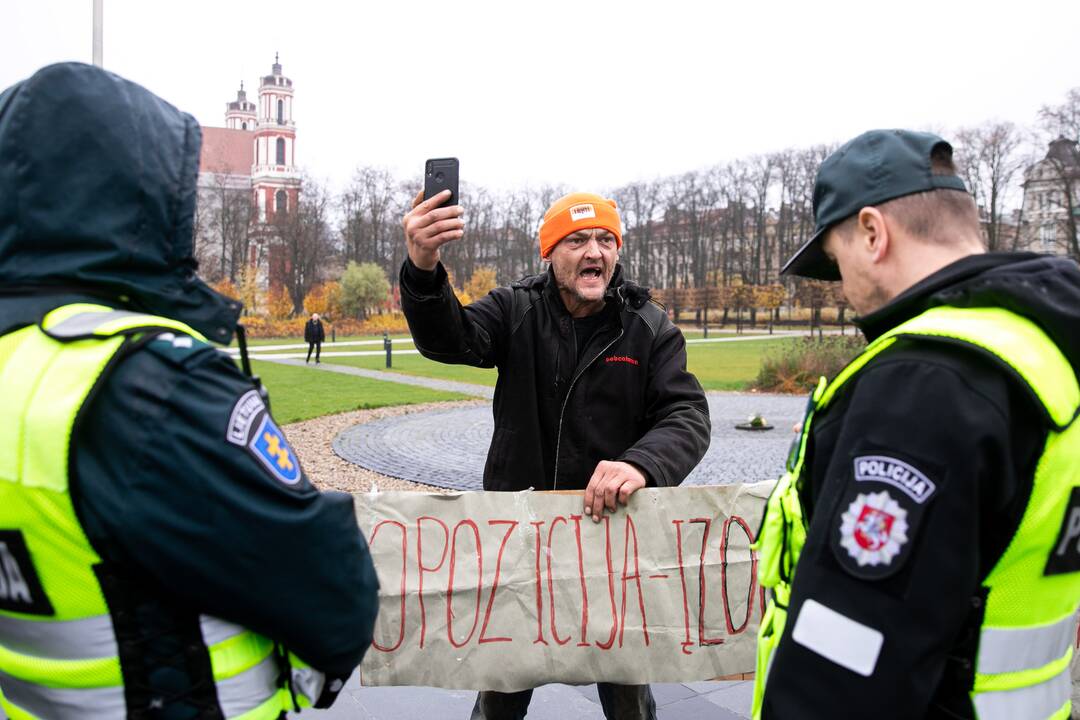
(718, 366)
(693, 334)
(298, 393)
(419, 365)
(730, 366)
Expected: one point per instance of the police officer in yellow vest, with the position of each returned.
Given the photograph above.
(162, 553)
(923, 551)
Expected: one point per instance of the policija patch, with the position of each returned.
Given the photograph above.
(20, 587)
(252, 428)
(879, 515)
(1065, 553)
(897, 473)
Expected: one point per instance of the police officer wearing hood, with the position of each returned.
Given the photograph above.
(923, 550)
(163, 554)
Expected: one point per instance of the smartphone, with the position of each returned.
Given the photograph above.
(441, 174)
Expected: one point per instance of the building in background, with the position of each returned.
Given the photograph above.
(248, 183)
(1051, 208)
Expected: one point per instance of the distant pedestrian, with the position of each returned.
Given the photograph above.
(314, 335)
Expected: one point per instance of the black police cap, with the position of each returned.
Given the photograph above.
(877, 166)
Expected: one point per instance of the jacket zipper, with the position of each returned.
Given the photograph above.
(558, 435)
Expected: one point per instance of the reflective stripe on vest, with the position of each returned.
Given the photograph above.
(1009, 650)
(81, 639)
(306, 680)
(67, 665)
(94, 638)
(1029, 619)
(237, 695)
(1047, 700)
(82, 323)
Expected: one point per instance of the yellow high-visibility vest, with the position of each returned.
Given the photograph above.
(1025, 645)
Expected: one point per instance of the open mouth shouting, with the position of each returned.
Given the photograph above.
(592, 273)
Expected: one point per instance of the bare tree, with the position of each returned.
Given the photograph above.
(230, 219)
(988, 160)
(224, 218)
(371, 208)
(201, 250)
(1063, 120)
(638, 203)
(304, 239)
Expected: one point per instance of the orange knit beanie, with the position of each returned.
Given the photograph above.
(578, 211)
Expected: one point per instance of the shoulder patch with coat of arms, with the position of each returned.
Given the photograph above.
(874, 529)
(252, 428)
(878, 516)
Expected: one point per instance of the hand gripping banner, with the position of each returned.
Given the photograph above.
(507, 591)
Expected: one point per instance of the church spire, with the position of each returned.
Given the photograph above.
(240, 113)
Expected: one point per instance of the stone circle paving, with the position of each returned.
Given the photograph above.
(447, 447)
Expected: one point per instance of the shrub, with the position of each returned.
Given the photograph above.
(279, 304)
(260, 326)
(316, 301)
(797, 367)
(389, 322)
(226, 287)
(345, 327)
(481, 283)
(333, 299)
(363, 288)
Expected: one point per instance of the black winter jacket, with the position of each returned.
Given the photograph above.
(629, 397)
(314, 332)
(97, 193)
(964, 421)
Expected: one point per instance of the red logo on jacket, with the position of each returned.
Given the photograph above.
(622, 359)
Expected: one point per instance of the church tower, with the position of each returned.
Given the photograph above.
(275, 177)
(240, 114)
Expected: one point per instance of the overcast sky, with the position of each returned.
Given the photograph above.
(586, 94)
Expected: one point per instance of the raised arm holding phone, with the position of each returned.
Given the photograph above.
(593, 391)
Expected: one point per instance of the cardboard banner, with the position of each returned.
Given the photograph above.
(508, 591)
(1076, 675)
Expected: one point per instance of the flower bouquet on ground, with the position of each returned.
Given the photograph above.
(755, 422)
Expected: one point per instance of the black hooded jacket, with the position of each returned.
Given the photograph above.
(314, 332)
(97, 192)
(563, 403)
(975, 431)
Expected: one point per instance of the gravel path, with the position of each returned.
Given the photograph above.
(312, 441)
(444, 444)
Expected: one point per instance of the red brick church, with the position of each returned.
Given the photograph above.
(254, 153)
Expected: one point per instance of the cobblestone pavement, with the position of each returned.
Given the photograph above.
(448, 385)
(674, 701)
(447, 447)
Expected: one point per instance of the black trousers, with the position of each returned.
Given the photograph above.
(620, 702)
(317, 347)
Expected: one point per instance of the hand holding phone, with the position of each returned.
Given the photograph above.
(435, 218)
(441, 174)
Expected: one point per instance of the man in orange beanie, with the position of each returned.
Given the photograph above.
(593, 391)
